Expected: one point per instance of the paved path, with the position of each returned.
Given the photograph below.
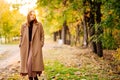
(9, 54)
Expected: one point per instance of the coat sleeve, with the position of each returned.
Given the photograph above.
(42, 35)
(21, 35)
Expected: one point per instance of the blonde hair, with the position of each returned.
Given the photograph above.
(28, 17)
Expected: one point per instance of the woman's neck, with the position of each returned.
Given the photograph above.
(31, 22)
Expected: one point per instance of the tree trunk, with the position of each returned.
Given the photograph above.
(85, 38)
(77, 40)
(54, 36)
(64, 32)
(100, 31)
(91, 26)
(60, 36)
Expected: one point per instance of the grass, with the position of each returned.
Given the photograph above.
(58, 71)
(14, 77)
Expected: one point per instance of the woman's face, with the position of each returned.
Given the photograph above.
(32, 16)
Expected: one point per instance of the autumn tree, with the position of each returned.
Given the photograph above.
(10, 21)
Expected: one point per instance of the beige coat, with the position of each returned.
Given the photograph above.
(37, 44)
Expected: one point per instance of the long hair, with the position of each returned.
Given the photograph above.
(28, 17)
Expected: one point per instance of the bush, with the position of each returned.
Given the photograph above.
(109, 42)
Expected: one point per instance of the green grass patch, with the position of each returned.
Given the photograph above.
(57, 71)
(54, 70)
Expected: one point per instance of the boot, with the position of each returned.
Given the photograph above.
(30, 78)
(36, 78)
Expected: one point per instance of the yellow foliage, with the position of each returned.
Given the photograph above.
(116, 35)
(110, 12)
(117, 55)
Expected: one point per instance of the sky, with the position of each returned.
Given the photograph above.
(26, 5)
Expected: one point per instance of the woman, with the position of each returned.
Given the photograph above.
(31, 43)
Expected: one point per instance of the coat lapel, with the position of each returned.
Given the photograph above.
(34, 30)
(27, 31)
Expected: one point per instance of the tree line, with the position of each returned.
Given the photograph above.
(83, 22)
